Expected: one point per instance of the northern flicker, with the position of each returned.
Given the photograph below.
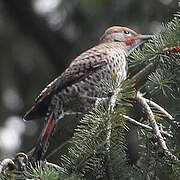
(83, 78)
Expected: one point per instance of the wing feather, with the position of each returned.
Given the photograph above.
(83, 66)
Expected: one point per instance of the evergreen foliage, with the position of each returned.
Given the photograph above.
(40, 171)
(164, 50)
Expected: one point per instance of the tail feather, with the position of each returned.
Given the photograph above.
(44, 139)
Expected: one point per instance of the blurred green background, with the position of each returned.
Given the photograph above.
(39, 38)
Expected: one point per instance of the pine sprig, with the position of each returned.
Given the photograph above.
(88, 154)
(161, 80)
(41, 171)
(153, 50)
(164, 50)
(88, 145)
(2, 177)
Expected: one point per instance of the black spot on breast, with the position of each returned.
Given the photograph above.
(78, 88)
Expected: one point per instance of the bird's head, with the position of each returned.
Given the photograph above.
(128, 38)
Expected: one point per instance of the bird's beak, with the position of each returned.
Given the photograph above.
(140, 39)
(145, 37)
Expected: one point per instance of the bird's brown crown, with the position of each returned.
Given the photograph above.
(119, 29)
(118, 34)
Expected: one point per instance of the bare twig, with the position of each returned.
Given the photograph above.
(111, 106)
(112, 103)
(149, 128)
(69, 113)
(155, 127)
(159, 108)
(54, 165)
(99, 101)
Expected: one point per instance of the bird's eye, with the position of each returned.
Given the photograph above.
(126, 32)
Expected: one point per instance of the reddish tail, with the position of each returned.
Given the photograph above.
(44, 138)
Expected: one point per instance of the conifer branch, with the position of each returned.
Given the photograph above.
(158, 107)
(54, 166)
(144, 126)
(156, 129)
(111, 106)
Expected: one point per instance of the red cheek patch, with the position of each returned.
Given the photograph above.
(129, 41)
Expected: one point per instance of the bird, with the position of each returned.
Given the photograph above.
(76, 89)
